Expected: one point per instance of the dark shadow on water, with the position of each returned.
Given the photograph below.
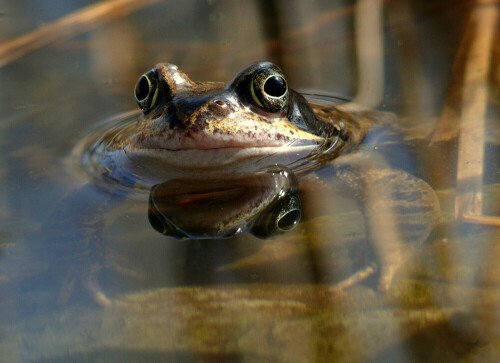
(451, 340)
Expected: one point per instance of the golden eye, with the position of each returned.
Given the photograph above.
(269, 89)
(146, 91)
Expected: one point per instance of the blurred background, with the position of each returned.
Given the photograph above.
(67, 65)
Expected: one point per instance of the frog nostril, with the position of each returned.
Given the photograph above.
(220, 103)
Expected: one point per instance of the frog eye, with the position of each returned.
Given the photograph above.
(146, 91)
(269, 90)
(280, 217)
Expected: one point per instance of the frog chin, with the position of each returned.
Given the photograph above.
(229, 157)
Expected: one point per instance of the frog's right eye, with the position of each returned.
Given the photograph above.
(269, 89)
(146, 91)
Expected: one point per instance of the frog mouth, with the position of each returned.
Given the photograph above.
(241, 139)
(188, 149)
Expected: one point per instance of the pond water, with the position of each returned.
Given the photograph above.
(84, 273)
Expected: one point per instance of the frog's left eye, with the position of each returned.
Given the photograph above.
(269, 90)
(146, 91)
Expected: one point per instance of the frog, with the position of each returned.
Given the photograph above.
(186, 127)
(189, 130)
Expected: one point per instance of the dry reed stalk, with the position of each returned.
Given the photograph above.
(483, 220)
(447, 127)
(369, 32)
(70, 25)
(323, 20)
(484, 19)
(354, 279)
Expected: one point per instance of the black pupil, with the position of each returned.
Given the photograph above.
(275, 86)
(142, 88)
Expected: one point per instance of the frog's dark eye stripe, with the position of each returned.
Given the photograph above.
(146, 91)
(269, 89)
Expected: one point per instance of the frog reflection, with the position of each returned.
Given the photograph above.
(265, 204)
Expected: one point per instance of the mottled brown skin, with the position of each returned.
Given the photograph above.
(216, 119)
(192, 111)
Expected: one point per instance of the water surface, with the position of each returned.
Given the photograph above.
(239, 299)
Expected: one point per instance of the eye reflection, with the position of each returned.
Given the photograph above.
(288, 221)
